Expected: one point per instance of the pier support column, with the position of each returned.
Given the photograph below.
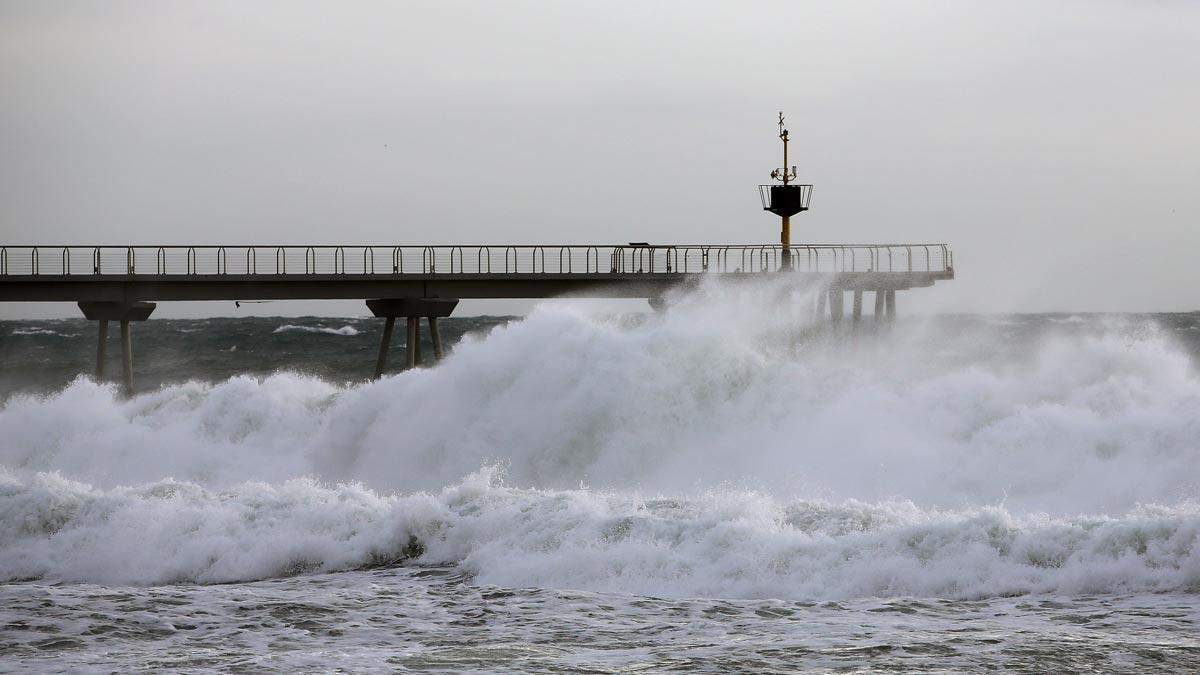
(879, 296)
(412, 309)
(385, 343)
(101, 349)
(836, 305)
(124, 312)
(436, 338)
(411, 341)
(821, 303)
(126, 358)
(857, 307)
(891, 306)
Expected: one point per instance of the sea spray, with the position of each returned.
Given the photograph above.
(730, 450)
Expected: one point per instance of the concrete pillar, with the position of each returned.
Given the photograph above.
(385, 343)
(821, 304)
(417, 342)
(836, 305)
(101, 349)
(105, 311)
(414, 334)
(127, 357)
(891, 306)
(436, 337)
(879, 295)
(857, 307)
(412, 309)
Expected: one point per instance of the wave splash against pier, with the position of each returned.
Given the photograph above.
(715, 450)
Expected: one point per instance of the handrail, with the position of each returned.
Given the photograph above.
(673, 259)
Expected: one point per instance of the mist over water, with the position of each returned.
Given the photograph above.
(723, 448)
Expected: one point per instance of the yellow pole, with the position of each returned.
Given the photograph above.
(785, 233)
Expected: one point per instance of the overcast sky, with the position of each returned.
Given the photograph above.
(1054, 145)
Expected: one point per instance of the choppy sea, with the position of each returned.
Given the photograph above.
(720, 487)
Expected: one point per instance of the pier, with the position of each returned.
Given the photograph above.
(124, 283)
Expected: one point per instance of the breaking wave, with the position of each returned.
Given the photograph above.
(719, 544)
(719, 449)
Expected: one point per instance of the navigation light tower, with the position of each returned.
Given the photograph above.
(785, 200)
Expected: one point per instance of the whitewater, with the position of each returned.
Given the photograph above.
(568, 490)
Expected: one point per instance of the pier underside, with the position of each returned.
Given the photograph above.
(165, 288)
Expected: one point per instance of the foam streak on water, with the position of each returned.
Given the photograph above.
(721, 458)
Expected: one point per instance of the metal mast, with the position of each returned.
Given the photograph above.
(785, 200)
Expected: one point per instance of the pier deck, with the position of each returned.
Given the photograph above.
(172, 273)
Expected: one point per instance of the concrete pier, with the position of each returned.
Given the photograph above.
(123, 283)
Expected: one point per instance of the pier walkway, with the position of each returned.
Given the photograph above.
(122, 283)
(165, 273)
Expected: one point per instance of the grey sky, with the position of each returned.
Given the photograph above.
(1053, 144)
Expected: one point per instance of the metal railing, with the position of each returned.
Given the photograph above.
(188, 261)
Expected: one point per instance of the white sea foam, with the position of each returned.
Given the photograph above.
(41, 331)
(719, 544)
(727, 454)
(290, 328)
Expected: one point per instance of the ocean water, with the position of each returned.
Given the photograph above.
(725, 486)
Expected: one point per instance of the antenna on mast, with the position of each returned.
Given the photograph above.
(784, 174)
